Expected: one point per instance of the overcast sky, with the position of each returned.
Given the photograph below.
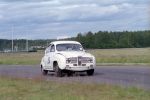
(50, 19)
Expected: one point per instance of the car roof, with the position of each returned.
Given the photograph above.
(62, 42)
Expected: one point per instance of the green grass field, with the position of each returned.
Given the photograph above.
(107, 56)
(38, 89)
(23, 58)
(132, 55)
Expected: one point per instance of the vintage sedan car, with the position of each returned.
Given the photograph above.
(67, 57)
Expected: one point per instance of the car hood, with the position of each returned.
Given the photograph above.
(75, 53)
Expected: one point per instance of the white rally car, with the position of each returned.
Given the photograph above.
(67, 57)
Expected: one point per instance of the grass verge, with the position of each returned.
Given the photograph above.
(38, 89)
(134, 56)
(23, 58)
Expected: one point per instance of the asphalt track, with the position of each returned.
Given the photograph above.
(125, 76)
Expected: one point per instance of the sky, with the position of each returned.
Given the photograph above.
(53, 19)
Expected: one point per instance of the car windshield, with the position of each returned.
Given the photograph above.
(69, 47)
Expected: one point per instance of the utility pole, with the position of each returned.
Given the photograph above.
(12, 40)
(26, 40)
(27, 44)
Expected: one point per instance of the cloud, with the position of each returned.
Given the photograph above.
(52, 18)
(1, 16)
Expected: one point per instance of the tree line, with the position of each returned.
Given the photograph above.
(98, 40)
(105, 39)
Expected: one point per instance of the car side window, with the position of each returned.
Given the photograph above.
(52, 48)
(47, 49)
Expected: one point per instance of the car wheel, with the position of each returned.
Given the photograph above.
(90, 72)
(69, 73)
(44, 72)
(58, 71)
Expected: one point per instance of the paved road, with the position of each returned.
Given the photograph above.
(126, 76)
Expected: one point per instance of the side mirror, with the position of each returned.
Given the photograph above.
(52, 50)
(81, 49)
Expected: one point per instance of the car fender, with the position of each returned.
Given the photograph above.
(94, 59)
(42, 63)
(60, 59)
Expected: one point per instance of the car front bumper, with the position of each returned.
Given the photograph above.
(79, 68)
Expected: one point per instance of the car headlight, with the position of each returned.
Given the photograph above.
(90, 60)
(68, 60)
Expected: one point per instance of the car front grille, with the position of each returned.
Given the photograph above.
(82, 60)
(79, 60)
(74, 60)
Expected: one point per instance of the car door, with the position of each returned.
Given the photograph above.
(46, 57)
(49, 57)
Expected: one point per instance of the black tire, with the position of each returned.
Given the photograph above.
(58, 71)
(90, 72)
(44, 72)
(69, 73)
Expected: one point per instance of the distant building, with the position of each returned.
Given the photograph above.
(62, 37)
